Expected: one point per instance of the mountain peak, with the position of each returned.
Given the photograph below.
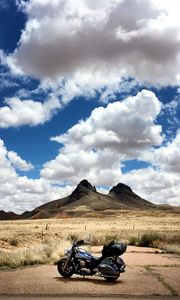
(85, 183)
(82, 189)
(119, 188)
(125, 195)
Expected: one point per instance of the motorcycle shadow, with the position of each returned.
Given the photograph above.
(99, 281)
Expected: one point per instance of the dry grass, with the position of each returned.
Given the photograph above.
(41, 241)
(50, 251)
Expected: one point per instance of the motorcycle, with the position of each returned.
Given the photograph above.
(78, 261)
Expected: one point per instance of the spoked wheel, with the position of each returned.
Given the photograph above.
(65, 269)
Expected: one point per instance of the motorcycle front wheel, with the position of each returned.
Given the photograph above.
(65, 268)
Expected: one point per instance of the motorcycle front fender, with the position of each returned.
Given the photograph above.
(58, 261)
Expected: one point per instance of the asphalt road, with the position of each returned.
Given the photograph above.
(147, 275)
(86, 298)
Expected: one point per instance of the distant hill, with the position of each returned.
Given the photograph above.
(84, 200)
(8, 215)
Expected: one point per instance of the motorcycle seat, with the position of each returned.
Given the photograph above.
(96, 258)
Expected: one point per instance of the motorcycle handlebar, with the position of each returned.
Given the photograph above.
(81, 242)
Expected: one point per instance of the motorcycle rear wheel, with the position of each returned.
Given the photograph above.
(111, 279)
(65, 272)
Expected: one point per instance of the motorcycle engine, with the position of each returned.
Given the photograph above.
(83, 270)
(82, 263)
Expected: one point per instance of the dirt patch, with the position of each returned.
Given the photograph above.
(170, 276)
(45, 280)
(146, 274)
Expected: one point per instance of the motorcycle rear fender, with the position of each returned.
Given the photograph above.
(121, 261)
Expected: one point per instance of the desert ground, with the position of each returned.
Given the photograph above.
(99, 228)
(150, 271)
(148, 274)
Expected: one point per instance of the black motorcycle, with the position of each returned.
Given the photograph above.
(78, 261)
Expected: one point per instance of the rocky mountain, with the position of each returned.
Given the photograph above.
(85, 199)
(126, 196)
(8, 215)
(83, 189)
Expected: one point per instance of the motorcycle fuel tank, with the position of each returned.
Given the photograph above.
(83, 254)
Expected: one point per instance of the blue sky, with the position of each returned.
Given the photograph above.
(88, 90)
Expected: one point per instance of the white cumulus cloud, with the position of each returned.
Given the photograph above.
(139, 38)
(167, 157)
(19, 112)
(95, 147)
(126, 126)
(18, 162)
(19, 193)
(158, 186)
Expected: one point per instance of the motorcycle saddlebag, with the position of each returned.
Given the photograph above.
(108, 268)
(114, 249)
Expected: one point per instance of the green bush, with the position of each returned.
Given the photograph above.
(148, 239)
(133, 241)
(13, 242)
